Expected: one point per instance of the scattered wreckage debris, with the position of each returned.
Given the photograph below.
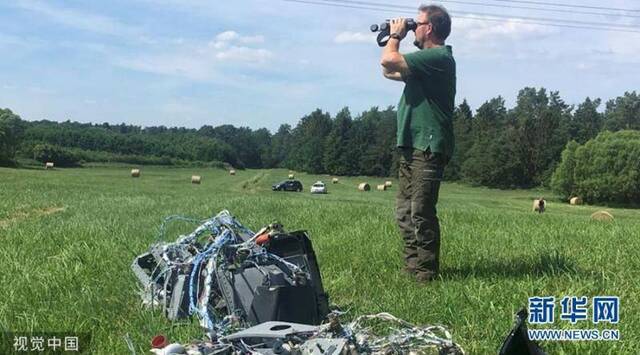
(261, 293)
(330, 338)
(224, 273)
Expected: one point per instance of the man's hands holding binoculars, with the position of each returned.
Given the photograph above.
(398, 26)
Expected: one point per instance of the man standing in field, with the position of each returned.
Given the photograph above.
(425, 132)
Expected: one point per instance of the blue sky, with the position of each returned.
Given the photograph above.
(260, 63)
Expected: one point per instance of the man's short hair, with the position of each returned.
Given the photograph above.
(439, 19)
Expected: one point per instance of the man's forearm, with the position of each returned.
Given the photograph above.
(389, 53)
(388, 50)
(392, 60)
(393, 46)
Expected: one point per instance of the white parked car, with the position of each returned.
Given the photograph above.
(319, 188)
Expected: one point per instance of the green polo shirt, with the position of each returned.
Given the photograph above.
(425, 111)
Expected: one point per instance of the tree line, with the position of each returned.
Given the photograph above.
(521, 147)
(604, 169)
(496, 146)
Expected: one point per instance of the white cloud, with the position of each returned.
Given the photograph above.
(225, 49)
(353, 37)
(218, 44)
(482, 29)
(200, 60)
(227, 36)
(245, 54)
(252, 39)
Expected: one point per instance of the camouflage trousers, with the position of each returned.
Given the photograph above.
(419, 183)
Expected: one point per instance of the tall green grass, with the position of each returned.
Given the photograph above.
(68, 237)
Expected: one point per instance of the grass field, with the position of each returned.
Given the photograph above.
(68, 237)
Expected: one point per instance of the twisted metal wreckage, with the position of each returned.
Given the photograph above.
(261, 293)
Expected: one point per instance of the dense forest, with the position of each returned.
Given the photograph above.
(496, 146)
(604, 169)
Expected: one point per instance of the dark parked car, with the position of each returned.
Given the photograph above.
(288, 185)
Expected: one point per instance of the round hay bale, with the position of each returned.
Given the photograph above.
(364, 187)
(135, 173)
(335, 180)
(232, 172)
(196, 179)
(382, 187)
(388, 183)
(291, 176)
(48, 165)
(602, 216)
(575, 201)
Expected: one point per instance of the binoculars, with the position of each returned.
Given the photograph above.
(385, 27)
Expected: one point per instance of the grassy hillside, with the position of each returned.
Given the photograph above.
(68, 237)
